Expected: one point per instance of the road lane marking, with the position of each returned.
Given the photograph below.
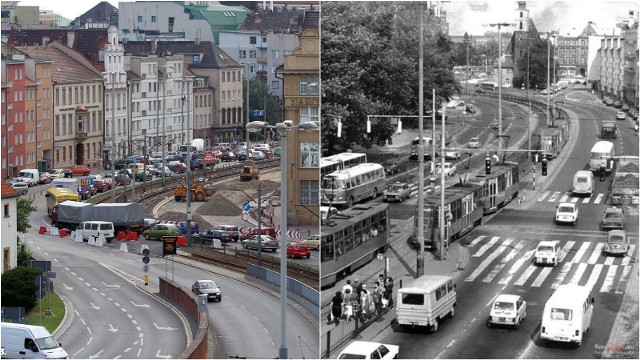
(565, 250)
(595, 254)
(562, 275)
(627, 258)
(544, 195)
(593, 277)
(517, 265)
(622, 284)
(586, 200)
(564, 197)
(487, 261)
(512, 254)
(607, 284)
(554, 196)
(598, 199)
(477, 240)
(609, 260)
(582, 267)
(575, 200)
(580, 253)
(542, 276)
(486, 246)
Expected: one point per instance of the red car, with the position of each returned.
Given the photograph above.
(80, 170)
(298, 249)
(267, 153)
(103, 184)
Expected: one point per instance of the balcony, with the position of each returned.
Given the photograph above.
(262, 59)
(81, 136)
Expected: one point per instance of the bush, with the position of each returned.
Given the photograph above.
(24, 254)
(19, 287)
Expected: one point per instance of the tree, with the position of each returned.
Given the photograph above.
(259, 95)
(19, 287)
(537, 65)
(24, 209)
(369, 67)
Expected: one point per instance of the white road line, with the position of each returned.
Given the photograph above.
(544, 195)
(627, 258)
(595, 254)
(582, 267)
(486, 246)
(512, 254)
(593, 277)
(483, 265)
(554, 196)
(609, 260)
(622, 284)
(586, 200)
(477, 240)
(525, 275)
(562, 274)
(580, 253)
(564, 197)
(574, 200)
(598, 199)
(607, 284)
(517, 265)
(542, 276)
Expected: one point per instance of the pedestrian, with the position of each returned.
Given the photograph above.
(357, 287)
(346, 286)
(377, 298)
(388, 292)
(365, 303)
(336, 307)
(348, 299)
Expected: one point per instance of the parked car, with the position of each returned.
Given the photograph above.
(144, 175)
(617, 243)
(268, 154)
(170, 155)
(56, 173)
(241, 155)
(390, 167)
(256, 155)
(44, 178)
(474, 143)
(277, 151)
(157, 231)
(208, 236)
(547, 252)
(609, 102)
(449, 169)
(80, 170)
(229, 156)
(167, 171)
(232, 230)
(155, 158)
(566, 213)
(267, 243)
(183, 227)
(507, 310)
(369, 350)
(313, 242)
(451, 155)
(620, 115)
(149, 222)
(122, 179)
(103, 184)
(298, 249)
(617, 104)
(396, 192)
(625, 107)
(613, 218)
(20, 187)
(207, 287)
(177, 167)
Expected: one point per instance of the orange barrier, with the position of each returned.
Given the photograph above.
(43, 230)
(182, 240)
(63, 233)
(122, 235)
(132, 235)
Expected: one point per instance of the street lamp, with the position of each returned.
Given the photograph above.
(282, 128)
(500, 25)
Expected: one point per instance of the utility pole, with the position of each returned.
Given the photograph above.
(466, 83)
(164, 124)
(420, 227)
(548, 77)
(500, 25)
(189, 192)
(113, 135)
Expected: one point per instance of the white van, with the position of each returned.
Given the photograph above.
(20, 341)
(425, 301)
(29, 176)
(601, 155)
(567, 314)
(96, 229)
(582, 183)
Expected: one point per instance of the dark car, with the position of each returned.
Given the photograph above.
(228, 156)
(232, 230)
(177, 167)
(613, 218)
(617, 104)
(183, 227)
(208, 236)
(122, 179)
(391, 167)
(144, 175)
(207, 287)
(118, 164)
(68, 173)
(103, 184)
(241, 155)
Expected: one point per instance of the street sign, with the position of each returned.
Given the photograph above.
(50, 274)
(40, 293)
(246, 206)
(257, 113)
(209, 157)
(40, 280)
(169, 245)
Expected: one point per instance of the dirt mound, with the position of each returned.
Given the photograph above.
(267, 186)
(219, 205)
(629, 168)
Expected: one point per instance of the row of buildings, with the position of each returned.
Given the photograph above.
(69, 93)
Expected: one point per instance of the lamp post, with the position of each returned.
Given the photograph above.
(188, 165)
(500, 25)
(113, 133)
(282, 128)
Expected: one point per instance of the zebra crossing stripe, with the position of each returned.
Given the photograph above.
(544, 195)
(565, 250)
(542, 277)
(598, 199)
(488, 260)
(496, 269)
(582, 267)
(514, 268)
(596, 254)
(525, 275)
(554, 196)
(562, 274)
(564, 197)
(593, 277)
(486, 246)
(477, 240)
(627, 258)
(609, 260)
(575, 200)
(607, 284)
(622, 284)
(586, 200)
(580, 253)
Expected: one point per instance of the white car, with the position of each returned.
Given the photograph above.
(507, 310)
(20, 187)
(620, 115)
(566, 213)
(369, 350)
(474, 143)
(256, 155)
(547, 252)
(155, 158)
(451, 155)
(449, 169)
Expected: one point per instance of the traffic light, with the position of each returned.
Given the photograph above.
(487, 165)
(544, 166)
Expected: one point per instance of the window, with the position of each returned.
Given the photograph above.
(309, 114)
(275, 54)
(154, 18)
(264, 39)
(140, 19)
(310, 192)
(275, 84)
(243, 54)
(6, 211)
(252, 54)
(224, 76)
(309, 155)
(252, 40)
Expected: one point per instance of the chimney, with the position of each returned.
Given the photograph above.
(71, 37)
(45, 41)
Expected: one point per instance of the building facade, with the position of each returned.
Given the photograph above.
(572, 53)
(9, 228)
(631, 74)
(611, 54)
(300, 74)
(14, 80)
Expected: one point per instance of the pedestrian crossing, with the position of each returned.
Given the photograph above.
(559, 196)
(507, 261)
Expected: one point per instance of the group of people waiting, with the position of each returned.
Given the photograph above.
(356, 300)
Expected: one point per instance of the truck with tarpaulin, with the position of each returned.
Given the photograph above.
(124, 216)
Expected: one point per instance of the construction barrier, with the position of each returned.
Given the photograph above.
(54, 231)
(123, 247)
(63, 233)
(43, 230)
(122, 235)
(77, 237)
(92, 241)
(132, 235)
(182, 240)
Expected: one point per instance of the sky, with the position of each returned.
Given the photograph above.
(464, 16)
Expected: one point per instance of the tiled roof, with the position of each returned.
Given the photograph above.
(311, 20)
(212, 56)
(87, 42)
(8, 191)
(64, 69)
(100, 13)
(285, 21)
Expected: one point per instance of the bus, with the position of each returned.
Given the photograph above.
(488, 85)
(352, 238)
(56, 195)
(345, 160)
(349, 186)
(602, 154)
(429, 144)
